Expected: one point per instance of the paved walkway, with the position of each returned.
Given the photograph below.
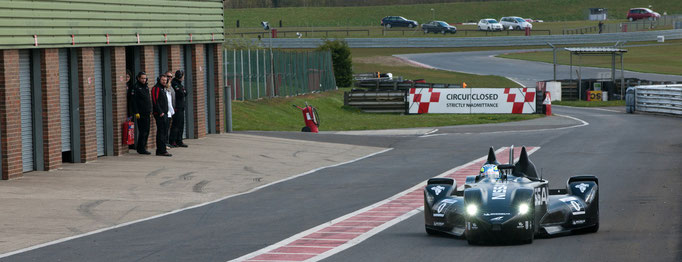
(80, 198)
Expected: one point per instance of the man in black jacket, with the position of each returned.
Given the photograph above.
(178, 125)
(141, 106)
(160, 110)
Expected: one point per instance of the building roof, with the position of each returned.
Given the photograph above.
(595, 50)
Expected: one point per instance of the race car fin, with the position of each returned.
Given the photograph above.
(491, 157)
(525, 166)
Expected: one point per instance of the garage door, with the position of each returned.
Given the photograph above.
(182, 67)
(207, 105)
(64, 99)
(157, 62)
(26, 112)
(99, 101)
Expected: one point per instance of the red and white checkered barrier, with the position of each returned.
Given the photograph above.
(472, 100)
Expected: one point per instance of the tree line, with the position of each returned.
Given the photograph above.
(330, 3)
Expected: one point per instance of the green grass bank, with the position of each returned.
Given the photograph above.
(278, 114)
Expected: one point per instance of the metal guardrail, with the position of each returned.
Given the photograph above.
(304, 33)
(392, 101)
(394, 85)
(477, 41)
(665, 99)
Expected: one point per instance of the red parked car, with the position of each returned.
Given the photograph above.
(642, 13)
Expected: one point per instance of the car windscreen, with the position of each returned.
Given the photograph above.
(443, 24)
(492, 21)
(519, 20)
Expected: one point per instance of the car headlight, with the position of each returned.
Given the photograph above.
(472, 209)
(523, 209)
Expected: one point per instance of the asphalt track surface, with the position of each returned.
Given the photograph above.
(637, 158)
(527, 73)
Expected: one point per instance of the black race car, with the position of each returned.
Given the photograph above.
(516, 206)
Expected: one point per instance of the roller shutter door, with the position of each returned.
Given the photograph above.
(99, 101)
(206, 88)
(64, 99)
(182, 67)
(26, 112)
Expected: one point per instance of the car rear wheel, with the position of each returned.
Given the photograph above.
(426, 31)
(631, 19)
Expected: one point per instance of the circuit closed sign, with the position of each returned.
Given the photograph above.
(471, 100)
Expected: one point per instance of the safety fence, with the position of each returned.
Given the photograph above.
(655, 99)
(258, 73)
(664, 22)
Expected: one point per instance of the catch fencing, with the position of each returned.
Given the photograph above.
(655, 99)
(665, 21)
(258, 73)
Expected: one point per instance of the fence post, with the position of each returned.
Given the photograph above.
(265, 75)
(228, 109)
(241, 56)
(234, 73)
(248, 52)
(257, 75)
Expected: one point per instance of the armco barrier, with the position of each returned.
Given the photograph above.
(539, 40)
(656, 99)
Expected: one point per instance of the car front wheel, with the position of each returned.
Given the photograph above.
(442, 31)
(388, 25)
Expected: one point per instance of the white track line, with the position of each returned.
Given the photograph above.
(187, 208)
(591, 108)
(582, 123)
(367, 234)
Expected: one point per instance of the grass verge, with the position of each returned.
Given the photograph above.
(278, 114)
(661, 59)
(382, 60)
(436, 76)
(590, 103)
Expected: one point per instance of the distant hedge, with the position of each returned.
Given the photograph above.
(332, 3)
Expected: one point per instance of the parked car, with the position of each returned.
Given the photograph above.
(396, 21)
(515, 23)
(438, 27)
(489, 24)
(642, 13)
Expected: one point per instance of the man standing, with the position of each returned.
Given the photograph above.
(180, 104)
(161, 112)
(171, 105)
(141, 108)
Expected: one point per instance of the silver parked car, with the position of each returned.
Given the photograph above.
(514, 23)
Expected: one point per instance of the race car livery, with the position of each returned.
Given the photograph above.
(517, 205)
